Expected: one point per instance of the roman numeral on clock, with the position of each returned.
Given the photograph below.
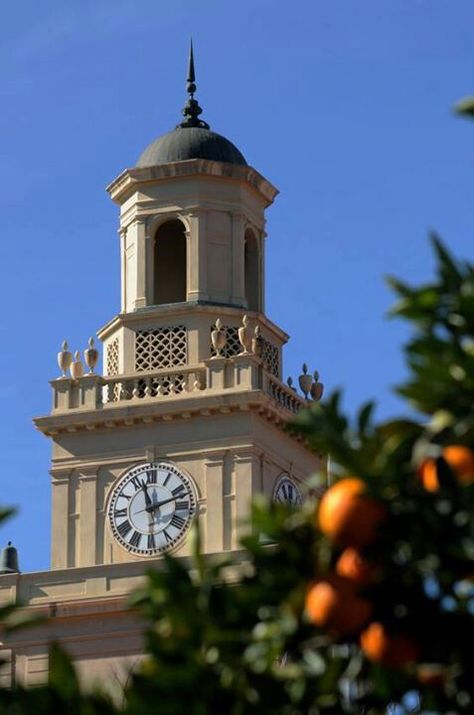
(178, 491)
(145, 496)
(135, 539)
(151, 477)
(177, 521)
(124, 528)
(136, 483)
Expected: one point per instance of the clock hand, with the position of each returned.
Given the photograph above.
(151, 520)
(167, 501)
(157, 504)
(148, 501)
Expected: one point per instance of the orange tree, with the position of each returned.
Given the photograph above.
(364, 600)
(360, 603)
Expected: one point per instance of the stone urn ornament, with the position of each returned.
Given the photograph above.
(305, 381)
(245, 336)
(218, 338)
(64, 358)
(257, 342)
(317, 388)
(77, 368)
(289, 382)
(91, 356)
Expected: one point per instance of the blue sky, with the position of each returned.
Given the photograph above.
(345, 105)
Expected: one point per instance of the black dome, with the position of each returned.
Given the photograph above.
(190, 143)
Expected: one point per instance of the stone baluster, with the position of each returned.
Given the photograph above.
(122, 390)
(136, 389)
(148, 387)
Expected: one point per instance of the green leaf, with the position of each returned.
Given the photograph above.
(465, 107)
(365, 416)
(448, 269)
(62, 675)
(19, 618)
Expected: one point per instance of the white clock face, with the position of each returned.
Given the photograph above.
(151, 508)
(286, 491)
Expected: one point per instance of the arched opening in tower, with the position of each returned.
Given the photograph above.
(169, 284)
(252, 272)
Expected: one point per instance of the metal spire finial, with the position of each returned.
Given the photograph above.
(191, 74)
(191, 109)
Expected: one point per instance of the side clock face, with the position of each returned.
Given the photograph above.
(151, 508)
(286, 491)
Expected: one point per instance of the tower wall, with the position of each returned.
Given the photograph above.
(190, 391)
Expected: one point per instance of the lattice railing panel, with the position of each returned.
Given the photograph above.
(271, 357)
(161, 348)
(112, 362)
(112, 357)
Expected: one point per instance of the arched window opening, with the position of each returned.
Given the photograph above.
(169, 283)
(252, 273)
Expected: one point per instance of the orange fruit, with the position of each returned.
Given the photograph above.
(458, 457)
(347, 516)
(393, 650)
(428, 475)
(353, 566)
(335, 605)
(431, 674)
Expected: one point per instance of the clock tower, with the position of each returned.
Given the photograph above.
(186, 420)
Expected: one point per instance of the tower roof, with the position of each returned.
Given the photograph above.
(192, 138)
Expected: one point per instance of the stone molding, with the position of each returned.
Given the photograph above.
(173, 408)
(131, 572)
(126, 182)
(165, 312)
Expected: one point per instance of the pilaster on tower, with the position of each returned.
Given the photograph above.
(192, 231)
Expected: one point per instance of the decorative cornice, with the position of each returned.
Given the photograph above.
(144, 315)
(100, 604)
(128, 181)
(176, 408)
